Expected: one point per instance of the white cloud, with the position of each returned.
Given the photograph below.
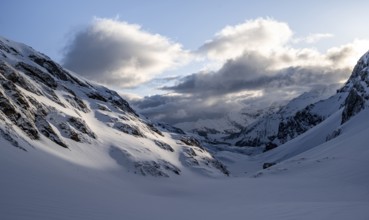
(117, 53)
(273, 40)
(313, 38)
(262, 35)
(259, 64)
(257, 61)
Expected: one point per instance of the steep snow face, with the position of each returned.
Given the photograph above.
(45, 107)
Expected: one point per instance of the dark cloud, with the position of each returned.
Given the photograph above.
(232, 87)
(175, 109)
(251, 72)
(258, 66)
(121, 54)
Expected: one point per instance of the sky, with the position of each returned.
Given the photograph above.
(180, 61)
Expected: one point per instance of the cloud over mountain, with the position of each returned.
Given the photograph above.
(260, 65)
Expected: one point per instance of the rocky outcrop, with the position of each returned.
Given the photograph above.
(81, 126)
(163, 145)
(196, 157)
(298, 124)
(128, 129)
(45, 129)
(354, 103)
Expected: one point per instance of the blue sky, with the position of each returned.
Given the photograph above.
(46, 25)
(183, 60)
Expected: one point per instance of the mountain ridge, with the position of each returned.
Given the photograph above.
(46, 106)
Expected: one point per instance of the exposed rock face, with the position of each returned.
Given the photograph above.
(81, 126)
(128, 129)
(45, 128)
(267, 165)
(358, 89)
(153, 168)
(298, 124)
(270, 146)
(163, 145)
(191, 141)
(354, 104)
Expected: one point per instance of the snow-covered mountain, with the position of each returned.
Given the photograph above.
(69, 148)
(255, 127)
(298, 116)
(215, 130)
(48, 108)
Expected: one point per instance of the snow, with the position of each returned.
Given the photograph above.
(328, 181)
(43, 186)
(96, 179)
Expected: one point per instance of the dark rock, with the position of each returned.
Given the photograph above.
(77, 103)
(171, 128)
(298, 124)
(7, 136)
(13, 115)
(191, 141)
(354, 103)
(52, 95)
(333, 135)
(128, 129)
(120, 103)
(103, 108)
(267, 165)
(163, 145)
(81, 126)
(96, 96)
(41, 108)
(45, 129)
(154, 168)
(154, 129)
(249, 142)
(53, 68)
(56, 70)
(69, 132)
(270, 146)
(218, 165)
(37, 75)
(12, 75)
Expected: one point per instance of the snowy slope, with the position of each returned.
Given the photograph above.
(343, 116)
(327, 182)
(52, 110)
(53, 165)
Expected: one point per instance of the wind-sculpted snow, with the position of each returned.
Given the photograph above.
(54, 110)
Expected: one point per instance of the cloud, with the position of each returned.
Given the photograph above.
(261, 35)
(172, 108)
(253, 63)
(313, 38)
(117, 53)
(259, 69)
